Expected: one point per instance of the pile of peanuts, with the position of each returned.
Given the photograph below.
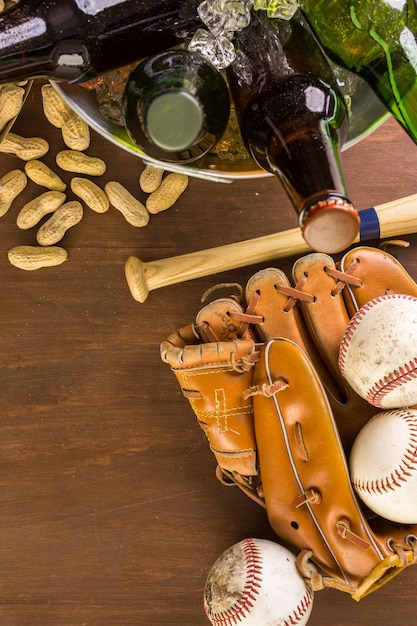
(163, 189)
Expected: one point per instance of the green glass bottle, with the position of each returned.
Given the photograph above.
(176, 106)
(376, 39)
(293, 120)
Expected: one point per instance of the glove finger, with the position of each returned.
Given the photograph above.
(270, 296)
(268, 293)
(326, 316)
(379, 273)
(223, 320)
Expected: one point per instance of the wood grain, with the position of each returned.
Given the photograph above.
(110, 512)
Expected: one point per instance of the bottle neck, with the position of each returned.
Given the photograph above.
(293, 120)
(292, 115)
(73, 40)
(24, 43)
(295, 130)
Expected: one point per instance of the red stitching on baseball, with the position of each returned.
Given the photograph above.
(395, 379)
(301, 609)
(407, 465)
(241, 609)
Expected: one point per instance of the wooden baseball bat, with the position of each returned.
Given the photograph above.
(391, 219)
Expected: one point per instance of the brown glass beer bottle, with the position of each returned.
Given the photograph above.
(293, 120)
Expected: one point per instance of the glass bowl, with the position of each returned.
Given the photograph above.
(366, 113)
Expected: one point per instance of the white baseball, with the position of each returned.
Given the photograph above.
(383, 465)
(378, 352)
(256, 583)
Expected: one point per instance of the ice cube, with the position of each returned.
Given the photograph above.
(223, 16)
(283, 9)
(218, 50)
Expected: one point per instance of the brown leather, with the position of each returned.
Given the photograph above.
(379, 272)
(300, 453)
(214, 377)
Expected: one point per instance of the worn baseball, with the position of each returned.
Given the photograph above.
(256, 583)
(378, 352)
(383, 465)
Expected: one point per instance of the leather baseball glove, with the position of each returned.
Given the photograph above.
(261, 374)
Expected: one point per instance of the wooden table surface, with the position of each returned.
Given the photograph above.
(111, 514)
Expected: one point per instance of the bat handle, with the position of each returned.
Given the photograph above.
(144, 277)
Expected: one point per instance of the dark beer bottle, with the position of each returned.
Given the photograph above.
(176, 106)
(293, 120)
(74, 40)
(377, 39)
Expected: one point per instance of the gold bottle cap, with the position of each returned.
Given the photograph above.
(330, 225)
